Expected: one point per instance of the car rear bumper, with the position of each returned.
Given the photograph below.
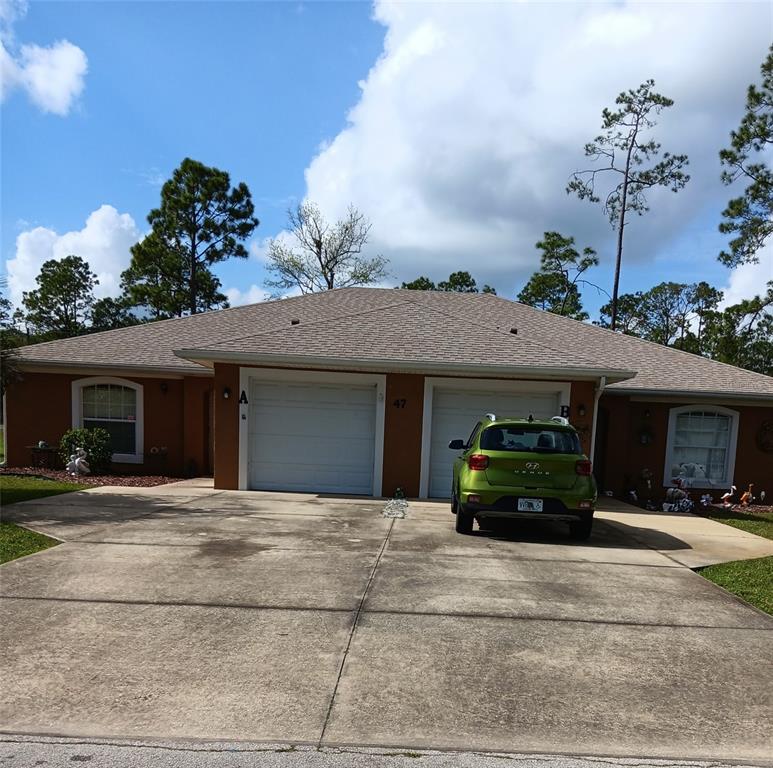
(552, 509)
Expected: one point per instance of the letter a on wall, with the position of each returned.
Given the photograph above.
(243, 398)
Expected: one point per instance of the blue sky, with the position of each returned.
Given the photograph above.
(453, 128)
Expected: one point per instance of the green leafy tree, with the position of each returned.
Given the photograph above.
(10, 339)
(458, 282)
(742, 334)
(108, 314)
(319, 256)
(554, 287)
(628, 156)
(61, 304)
(750, 217)
(672, 314)
(420, 284)
(201, 222)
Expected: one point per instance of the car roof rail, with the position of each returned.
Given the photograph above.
(491, 416)
(561, 420)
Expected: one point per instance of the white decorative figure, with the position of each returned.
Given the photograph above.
(727, 498)
(78, 464)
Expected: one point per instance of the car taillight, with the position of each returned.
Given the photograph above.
(478, 461)
(583, 468)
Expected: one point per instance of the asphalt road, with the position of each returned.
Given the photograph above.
(25, 752)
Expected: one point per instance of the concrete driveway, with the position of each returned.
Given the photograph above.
(183, 612)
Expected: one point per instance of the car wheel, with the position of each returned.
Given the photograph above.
(463, 520)
(454, 503)
(580, 530)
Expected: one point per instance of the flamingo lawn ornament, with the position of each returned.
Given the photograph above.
(727, 498)
(748, 496)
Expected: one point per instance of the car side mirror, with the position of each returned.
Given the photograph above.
(456, 445)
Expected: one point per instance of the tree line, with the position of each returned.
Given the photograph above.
(202, 220)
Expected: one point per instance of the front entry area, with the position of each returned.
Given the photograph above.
(313, 432)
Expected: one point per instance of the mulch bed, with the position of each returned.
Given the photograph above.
(128, 481)
(752, 509)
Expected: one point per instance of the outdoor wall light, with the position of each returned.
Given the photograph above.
(226, 393)
(581, 410)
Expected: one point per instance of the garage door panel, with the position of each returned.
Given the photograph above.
(455, 413)
(310, 437)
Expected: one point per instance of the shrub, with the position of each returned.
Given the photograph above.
(96, 443)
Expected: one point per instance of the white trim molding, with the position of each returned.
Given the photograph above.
(563, 389)
(139, 421)
(695, 482)
(310, 377)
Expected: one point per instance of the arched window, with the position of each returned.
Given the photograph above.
(701, 446)
(115, 405)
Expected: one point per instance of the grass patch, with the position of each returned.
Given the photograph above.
(751, 580)
(15, 488)
(17, 542)
(759, 523)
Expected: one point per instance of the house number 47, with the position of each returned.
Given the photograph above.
(400, 402)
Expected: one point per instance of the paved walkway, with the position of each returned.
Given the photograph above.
(180, 612)
(704, 541)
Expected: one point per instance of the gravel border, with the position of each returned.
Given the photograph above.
(129, 481)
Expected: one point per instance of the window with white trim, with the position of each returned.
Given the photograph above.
(701, 446)
(114, 405)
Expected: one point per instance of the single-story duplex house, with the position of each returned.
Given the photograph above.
(359, 391)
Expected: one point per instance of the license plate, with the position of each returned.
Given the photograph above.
(530, 505)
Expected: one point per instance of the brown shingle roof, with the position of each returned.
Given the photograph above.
(419, 329)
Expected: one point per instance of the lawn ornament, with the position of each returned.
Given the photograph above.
(748, 496)
(706, 501)
(78, 464)
(677, 499)
(762, 497)
(727, 498)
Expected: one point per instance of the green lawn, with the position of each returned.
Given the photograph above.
(15, 541)
(15, 488)
(758, 523)
(751, 580)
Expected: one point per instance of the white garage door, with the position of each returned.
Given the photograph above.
(311, 437)
(455, 413)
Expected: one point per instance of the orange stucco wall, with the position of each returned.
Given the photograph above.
(627, 454)
(582, 397)
(402, 433)
(39, 407)
(226, 426)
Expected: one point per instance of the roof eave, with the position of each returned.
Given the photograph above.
(209, 357)
(63, 366)
(693, 394)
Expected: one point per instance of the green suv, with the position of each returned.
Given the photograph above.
(523, 468)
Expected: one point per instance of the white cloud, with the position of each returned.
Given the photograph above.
(52, 76)
(749, 280)
(470, 123)
(253, 295)
(104, 242)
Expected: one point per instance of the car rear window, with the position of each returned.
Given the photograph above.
(530, 440)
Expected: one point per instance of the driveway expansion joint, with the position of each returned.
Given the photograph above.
(354, 628)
